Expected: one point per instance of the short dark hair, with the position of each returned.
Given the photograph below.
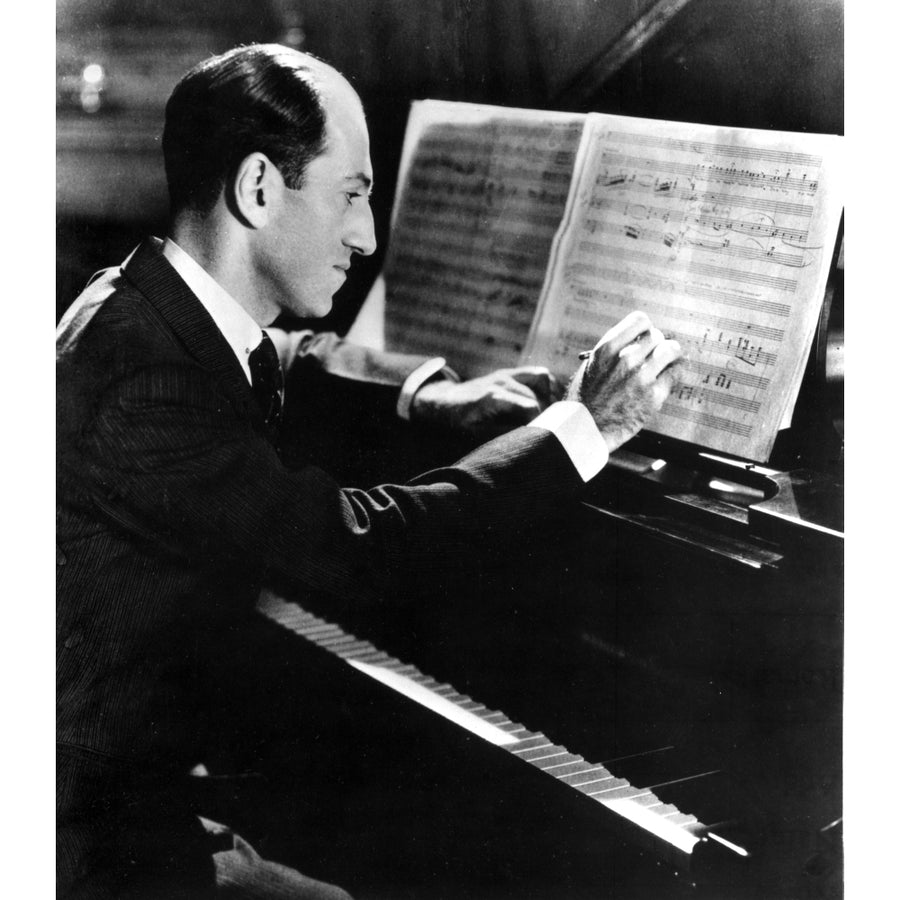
(255, 98)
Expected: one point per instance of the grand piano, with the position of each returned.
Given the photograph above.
(644, 701)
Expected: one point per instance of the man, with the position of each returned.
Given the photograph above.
(173, 503)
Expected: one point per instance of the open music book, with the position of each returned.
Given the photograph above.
(520, 236)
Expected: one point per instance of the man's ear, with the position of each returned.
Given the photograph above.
(257, 188)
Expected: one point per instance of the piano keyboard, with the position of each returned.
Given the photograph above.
(676, 834)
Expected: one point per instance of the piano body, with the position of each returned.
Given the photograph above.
(647, 700)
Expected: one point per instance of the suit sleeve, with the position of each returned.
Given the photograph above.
(338, 364)
(168, 458)
(341, 408)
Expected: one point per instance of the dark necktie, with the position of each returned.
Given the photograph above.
(267, 380)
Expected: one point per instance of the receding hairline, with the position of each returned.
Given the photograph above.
(335, 91)
(325, 78)
(330, 99)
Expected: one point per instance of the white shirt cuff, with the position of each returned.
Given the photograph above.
(576, 430)
(417, 378)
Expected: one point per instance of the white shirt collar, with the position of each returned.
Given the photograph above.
(237, 326)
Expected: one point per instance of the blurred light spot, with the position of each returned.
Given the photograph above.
(295, 37)
(90, 98)
(92, 74)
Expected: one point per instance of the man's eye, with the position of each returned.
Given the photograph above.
(352, 195)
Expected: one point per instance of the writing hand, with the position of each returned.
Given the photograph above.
(626, 377)
(489, 405)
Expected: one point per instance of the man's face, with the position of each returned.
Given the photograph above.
(314, 231)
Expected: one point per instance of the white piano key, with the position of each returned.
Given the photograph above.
(530, 743)
(316, 629)
(337, 642)
(435, 703)
(586, 773)
(639, 805)
(356, 649)
(557, 760)
(364, 652)
(617, 788)
(682, 819)
(541, 751)
(673, 834)
(651, 801)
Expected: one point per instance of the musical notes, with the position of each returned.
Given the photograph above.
(723, 237)
(484, 190)
(528, 229)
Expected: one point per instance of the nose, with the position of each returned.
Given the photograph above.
(360, 233)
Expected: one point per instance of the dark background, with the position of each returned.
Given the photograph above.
(774, 64)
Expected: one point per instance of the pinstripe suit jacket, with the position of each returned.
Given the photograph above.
(174, 507)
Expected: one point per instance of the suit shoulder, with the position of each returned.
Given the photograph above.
(111, 319)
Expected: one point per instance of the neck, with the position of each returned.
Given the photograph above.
(221, 249)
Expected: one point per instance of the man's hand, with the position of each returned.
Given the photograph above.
(489, 405)
(627, 377)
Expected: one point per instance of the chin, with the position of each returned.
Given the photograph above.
(309, 307)
(324, 308)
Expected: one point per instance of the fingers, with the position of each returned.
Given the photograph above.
(504, 393)
(623, 333)
(510, 406)
(636, 353)
(640, 344)
(541, 381)
(484, 406)
(664, 355)
(503, 385)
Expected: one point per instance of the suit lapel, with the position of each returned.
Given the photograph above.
(154, 277)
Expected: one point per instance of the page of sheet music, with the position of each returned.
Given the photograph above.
(483, 191)
(724, 238)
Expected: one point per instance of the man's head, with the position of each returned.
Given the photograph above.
(262, 97)
(272, 144)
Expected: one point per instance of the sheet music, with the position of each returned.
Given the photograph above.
(724, 238)
(484, 190)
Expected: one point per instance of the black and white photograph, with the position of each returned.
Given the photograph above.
(450, 450)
